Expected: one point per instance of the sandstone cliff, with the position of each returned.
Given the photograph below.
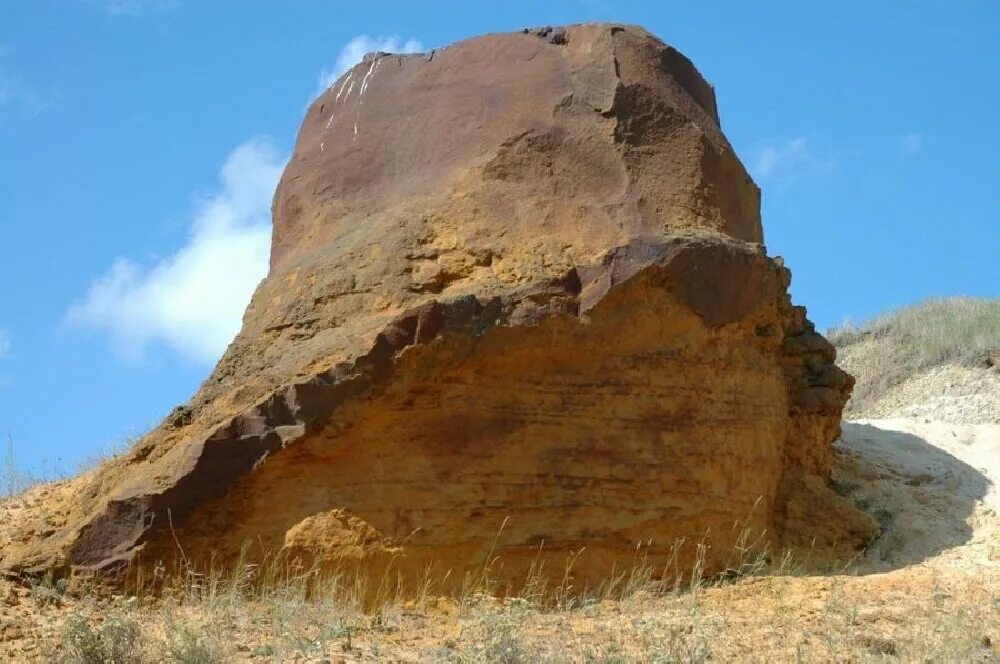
(517, 281)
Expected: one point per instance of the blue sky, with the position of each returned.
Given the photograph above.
(140, 141)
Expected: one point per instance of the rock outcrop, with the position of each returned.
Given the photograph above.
(518, 305)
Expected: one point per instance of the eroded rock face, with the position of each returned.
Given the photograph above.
(517, 285)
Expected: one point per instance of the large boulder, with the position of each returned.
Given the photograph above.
(518, 306)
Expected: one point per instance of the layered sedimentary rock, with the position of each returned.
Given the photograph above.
(518, 306)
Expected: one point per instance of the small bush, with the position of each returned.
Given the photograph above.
(118, 641)
(48, 593)
(499, 632)
(664, 642)
(189, 645)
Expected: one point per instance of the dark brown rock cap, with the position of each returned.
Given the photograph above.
(606, 119)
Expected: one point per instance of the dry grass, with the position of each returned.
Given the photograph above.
(12, 480)
(765, 618)
(903, 343)
(15, 481)
(765, 609)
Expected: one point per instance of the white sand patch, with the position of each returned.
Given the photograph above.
(932, 484)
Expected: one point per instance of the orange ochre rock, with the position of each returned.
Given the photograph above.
(518, 312)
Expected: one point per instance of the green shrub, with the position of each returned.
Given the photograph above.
(118, 641)
(189, 645)
(48, 592)
(499, 632)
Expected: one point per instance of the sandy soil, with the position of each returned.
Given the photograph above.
(933, 486)
(949, 393)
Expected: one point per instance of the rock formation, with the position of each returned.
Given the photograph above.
(518, 303)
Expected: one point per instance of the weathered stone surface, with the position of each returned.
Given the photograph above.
(516, 283)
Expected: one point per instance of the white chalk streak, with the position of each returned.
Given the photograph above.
(340, 90)
(342, 85)
(364, 82)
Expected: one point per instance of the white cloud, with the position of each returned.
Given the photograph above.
(780, 157)
(193, 301)
(786, 161)
(356, 49)
(912, 142)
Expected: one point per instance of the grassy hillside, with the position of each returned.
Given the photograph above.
(901, 344)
